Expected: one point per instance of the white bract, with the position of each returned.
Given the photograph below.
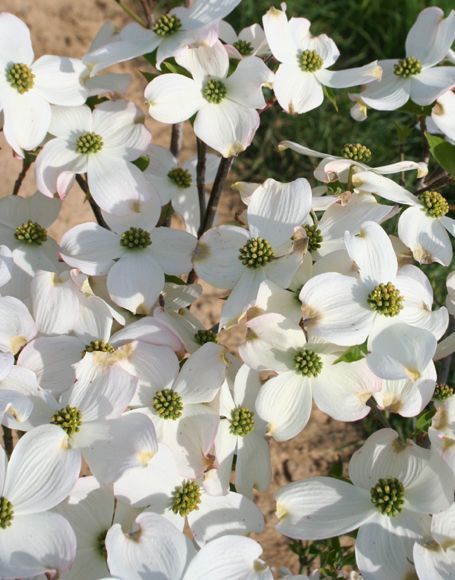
(225, 106)
(395, 484)
(28, 89)
(434, 558)
(101, 143)
(416, 76)
(304, 61)
(443, 114)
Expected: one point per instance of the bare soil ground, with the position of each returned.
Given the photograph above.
(66, 27)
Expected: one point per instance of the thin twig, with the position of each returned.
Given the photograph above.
(131, 13)
(200, 176)
(425, 145)
(176, 139)
(8, 440)
(209, 217)
(147, 12)
(377, 414)
(26, 163)
(96, 210)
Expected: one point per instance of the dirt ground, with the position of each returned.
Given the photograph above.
(66, 27)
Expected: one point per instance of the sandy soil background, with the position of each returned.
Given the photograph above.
(66, 27)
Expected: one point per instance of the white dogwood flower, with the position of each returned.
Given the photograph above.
(23, 229)
(135, 255)
(416, 76)
(354, 157)
(241, 433)
(177, 183)
(346, 310)
(101, 143)
(304, 371)
(394, 485)
(239, 259)
(304, 61)
(225, 105)
(249, 41)
(28, 89)
(39, 475)
(179, 28)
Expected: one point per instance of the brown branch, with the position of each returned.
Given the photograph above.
(147, 13)
(8, 440)
(96, 210)
(425, 145)
(200, 176)
(209, 217)
(26, 163)
(131, 13)
(176, 139)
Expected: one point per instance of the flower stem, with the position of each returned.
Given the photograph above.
(176, 139)
(200, 176)
(209, 217)
(26, 163)
(131, 13)
(8, 440)
(96, 210)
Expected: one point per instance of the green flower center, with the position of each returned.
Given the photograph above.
(186, 498)
(443, 392)
(6, 513)
(204, 336)
(310, 61)
(408, 67)
(20, 77)
(68, 418)
(101, 544)
(167, 25)
(181, 177)
(244, 47)
(255, 253)
(168, 404)
(386, 299)
(214, 91)
(30, 233)
(135, 239)
(314, 236)
(308, 363)
(89, 143)
(434, 203)
(388, 496)
(242, 421)
(98, 346)
(356, 152)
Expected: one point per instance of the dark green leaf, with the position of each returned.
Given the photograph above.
(443, 152)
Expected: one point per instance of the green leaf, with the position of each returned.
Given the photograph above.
(353, 353)
(423, 421)
(443, 152)
(331, 97)
(414, 109)
(174, 280)
(142, 162)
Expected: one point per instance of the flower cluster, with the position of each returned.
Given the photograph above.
(143, 434)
